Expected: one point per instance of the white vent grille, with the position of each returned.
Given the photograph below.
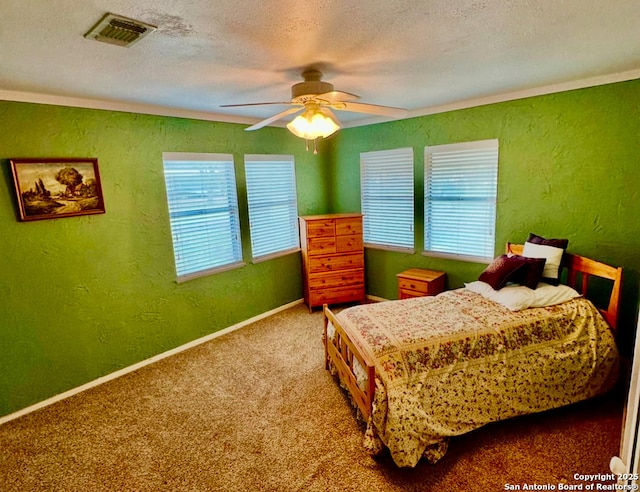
(118, 30)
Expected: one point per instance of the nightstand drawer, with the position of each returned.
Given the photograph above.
(408, 294)
(414, 285)
(417, 282)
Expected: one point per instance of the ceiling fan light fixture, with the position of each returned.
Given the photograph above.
(313, 123)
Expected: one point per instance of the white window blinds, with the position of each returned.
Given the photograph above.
(203, 211)
(387, 198)
(273, 207)
(461, 183)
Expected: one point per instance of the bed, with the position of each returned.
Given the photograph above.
(422, 370)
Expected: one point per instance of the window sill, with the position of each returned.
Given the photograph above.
(272, 256)
(210, 271)
(397, 249)
(453, 256)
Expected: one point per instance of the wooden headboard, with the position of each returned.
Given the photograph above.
(579, 270)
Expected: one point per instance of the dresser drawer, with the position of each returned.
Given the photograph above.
(321, 228)
(333, 263)
(321, 245)
(349, 225)
(345, 244)
(336, 296)
(330, 280)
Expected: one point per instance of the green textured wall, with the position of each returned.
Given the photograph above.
(569, 166)
(82, 297)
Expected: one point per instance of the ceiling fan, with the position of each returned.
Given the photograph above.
(314, 101)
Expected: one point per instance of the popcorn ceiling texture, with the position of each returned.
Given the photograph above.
(404, 53)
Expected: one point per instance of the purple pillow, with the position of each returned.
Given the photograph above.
(556, 243)
(498, 272)
(530, 274)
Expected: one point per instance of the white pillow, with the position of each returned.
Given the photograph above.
(552, 254)
(518, 297)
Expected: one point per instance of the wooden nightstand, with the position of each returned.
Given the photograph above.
(417, 282)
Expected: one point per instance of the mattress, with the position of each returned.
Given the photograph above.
(449, 364)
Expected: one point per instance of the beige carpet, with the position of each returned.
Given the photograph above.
(255, 410)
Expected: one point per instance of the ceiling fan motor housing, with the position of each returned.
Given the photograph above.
(311, 87)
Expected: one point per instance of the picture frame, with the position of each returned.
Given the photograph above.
(52, 188)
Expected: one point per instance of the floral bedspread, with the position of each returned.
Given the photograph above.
(449, 364)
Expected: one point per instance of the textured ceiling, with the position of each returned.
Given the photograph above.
(418, 55)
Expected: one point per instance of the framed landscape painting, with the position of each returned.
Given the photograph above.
(52, 188)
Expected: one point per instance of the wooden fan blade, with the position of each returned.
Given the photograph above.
(333, 115)
(371, 109)
(273, 118)
(337, 96)
(253, 104)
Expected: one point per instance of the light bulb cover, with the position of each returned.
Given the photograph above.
(313, 123)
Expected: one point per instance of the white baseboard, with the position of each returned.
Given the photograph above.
(146, 362)
(376, 298)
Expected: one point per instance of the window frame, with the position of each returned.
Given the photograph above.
(487, 148)
(226, 162)
(378, 210)
(293, 246)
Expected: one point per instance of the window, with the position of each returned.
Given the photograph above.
(461, 183)
(273, 208)
(387, 198)
(203, 211)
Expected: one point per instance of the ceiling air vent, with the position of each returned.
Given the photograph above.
(118, 30)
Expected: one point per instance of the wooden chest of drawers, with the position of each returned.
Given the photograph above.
(417, 282)
(332, 258)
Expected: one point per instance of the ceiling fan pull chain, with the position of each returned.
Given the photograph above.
(315, 145)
